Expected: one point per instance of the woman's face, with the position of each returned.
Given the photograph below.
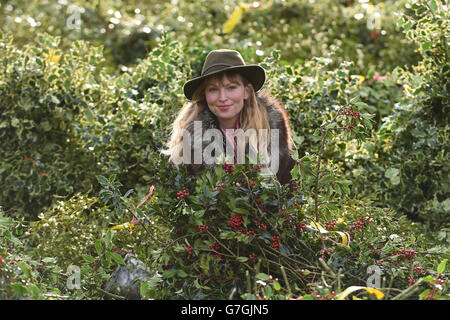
(225, 98)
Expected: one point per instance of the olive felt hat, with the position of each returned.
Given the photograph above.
(226, 60)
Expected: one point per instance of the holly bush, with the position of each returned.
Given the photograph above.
(363, 32)
(43, 93)
(61, 123)
(370, 128)
(235, 233)
(415, 130)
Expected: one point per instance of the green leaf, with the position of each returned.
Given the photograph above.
(407, 26)
(276, 286)
(19, 289)
(108, 239)
(143, 288)
(391, 172)
(242, 259)
(262, 276)
(169, 273)
(102, 180)
(241, 211)
(88, 258)
(117, 258)
(294, 172)
(227, 235)
(98, 247)
(433, 6)
(426, 45)
(361, 105)
(441, 266)
(428, 279)
(112, 178)
(395, 180)
(25, 268)
(182, 273)
(424, 294)
(88, 114)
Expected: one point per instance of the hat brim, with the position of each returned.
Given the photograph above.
(253, 73)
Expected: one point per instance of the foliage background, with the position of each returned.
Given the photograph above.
(91, 91)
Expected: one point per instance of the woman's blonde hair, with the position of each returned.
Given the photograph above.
(252, 116)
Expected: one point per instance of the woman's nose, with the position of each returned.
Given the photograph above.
(222, 94)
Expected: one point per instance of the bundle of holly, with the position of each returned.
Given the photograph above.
(226, 224)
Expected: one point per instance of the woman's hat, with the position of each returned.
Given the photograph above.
(226, 60)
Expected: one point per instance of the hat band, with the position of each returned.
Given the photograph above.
(216, 65)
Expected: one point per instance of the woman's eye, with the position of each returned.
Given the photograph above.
(212, 89)
(232, 87)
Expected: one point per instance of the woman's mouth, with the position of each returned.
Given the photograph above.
(224, 107)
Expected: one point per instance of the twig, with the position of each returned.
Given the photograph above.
(286, 280)
(143, 225)
(409, 291)
(339, 280)
(322, 145)
(327, 267)
(229, 251)
(391, 281)
(249, 282)
(316, 194)
(110, 294)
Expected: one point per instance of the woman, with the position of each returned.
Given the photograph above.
(227, 105)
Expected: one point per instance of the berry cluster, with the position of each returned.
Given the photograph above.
(411, 281)
(258, 168)
(259, 224)
(251, 233)
(420, 270)
(235, 221)
(353, 115)
(329, 225)
(286, 216)
(350, 113)
(350, 126)
(301, 227)
(216, 247)
(359, 224)
(252, 257)
(275, 242)
(202, 229)
(229, 168)
(323, 251)
(436, 284)
(406, 254)
(374, 251)
(245, 184)
(221, 186)
(182, 194)
(189, 250)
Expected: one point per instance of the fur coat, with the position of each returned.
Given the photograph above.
(278, 119)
